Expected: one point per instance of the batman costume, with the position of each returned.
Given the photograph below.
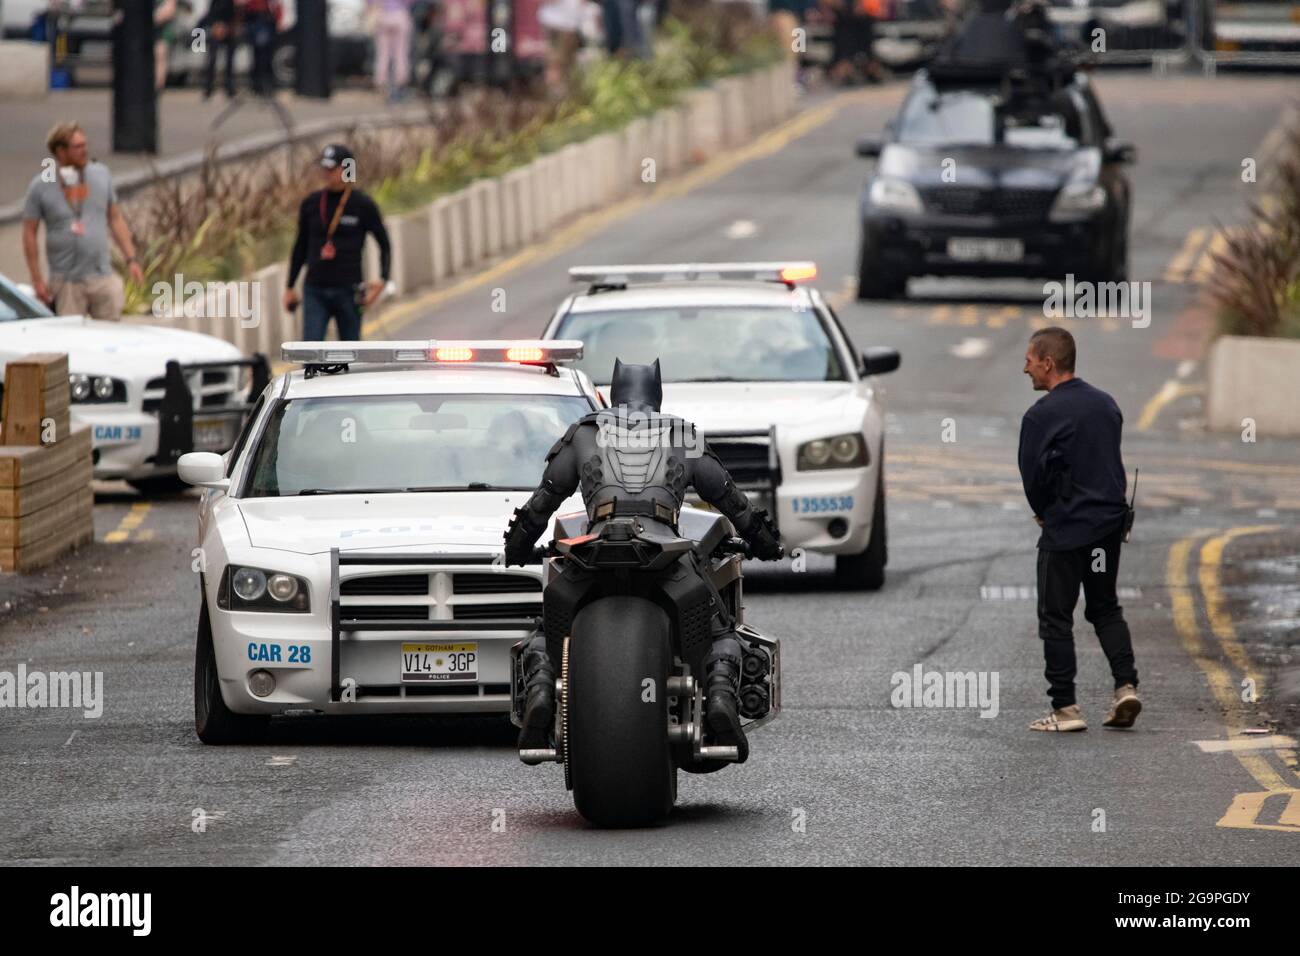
(629, 459)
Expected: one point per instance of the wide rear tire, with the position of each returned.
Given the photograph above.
(616, 741)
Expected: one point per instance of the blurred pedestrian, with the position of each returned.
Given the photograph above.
(562, 20)
(784, 17)
(392, 46)
(853, 37)
(78, 206)
(221, 27)
(164, 35)
(261, 27)
(624, 35)
(1074, 478)
(332, 226)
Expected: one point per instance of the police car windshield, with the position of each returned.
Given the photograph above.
(394, 443)
(710, 344)
(16, 305)
(969, 118)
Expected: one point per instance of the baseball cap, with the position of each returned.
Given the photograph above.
(334, 155)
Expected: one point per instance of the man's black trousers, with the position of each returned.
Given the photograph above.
(1095, 568)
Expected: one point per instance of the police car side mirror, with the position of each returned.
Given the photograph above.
(204, 469)
(879, 360)
(870, 147)
(1118, 152)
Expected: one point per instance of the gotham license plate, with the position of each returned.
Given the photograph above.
(439, 662)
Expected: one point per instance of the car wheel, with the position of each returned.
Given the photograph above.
(214, 722)
(866, 571)
(874, 281)
(161, 487)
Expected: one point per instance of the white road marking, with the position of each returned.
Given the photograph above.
(970, 348)
(1245, 743)
(742, 229)
(69, 740)
(282, 761)
(1186, 368)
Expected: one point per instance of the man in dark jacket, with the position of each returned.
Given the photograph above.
(1074, 479)
(332, 227)
(629, 459)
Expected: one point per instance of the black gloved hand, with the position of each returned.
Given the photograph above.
(519, 540)
(764, 542)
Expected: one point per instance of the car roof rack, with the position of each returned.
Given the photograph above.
(332, 358)
(612, 277)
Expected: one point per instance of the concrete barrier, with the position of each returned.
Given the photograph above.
(476, 210)
(416, 261)
(24, 69)
(518, 186)
(458, 230)
(440, 238)
(703, 124)
(269, 332)
(1254, 378)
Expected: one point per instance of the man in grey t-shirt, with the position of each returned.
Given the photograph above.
(76, 201)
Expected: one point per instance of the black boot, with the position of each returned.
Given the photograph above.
(721, 701)
(539, 702)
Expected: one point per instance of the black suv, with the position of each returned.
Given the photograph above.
(994, 179)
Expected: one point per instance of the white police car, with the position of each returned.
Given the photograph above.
(351, 542)
(149, 394)
(765, 369)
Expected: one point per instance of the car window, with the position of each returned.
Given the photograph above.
(404, 442)
(710, 344)
(976, 117)
(15, 305)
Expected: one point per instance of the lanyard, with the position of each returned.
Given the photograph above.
(338, 211)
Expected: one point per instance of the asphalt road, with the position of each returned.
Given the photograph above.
(843, 776)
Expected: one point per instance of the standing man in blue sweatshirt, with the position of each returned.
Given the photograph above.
(1074, 478)
(332, 226)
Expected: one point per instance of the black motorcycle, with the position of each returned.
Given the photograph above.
(628, 609)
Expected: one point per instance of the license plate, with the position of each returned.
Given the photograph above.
(986, 250)
(213, 434)
(435, 662)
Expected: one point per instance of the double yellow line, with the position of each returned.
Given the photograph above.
(1226, 666)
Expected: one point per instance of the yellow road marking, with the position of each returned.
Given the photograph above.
(1170, 391)
(130, 521)
(1205, 264)
(1176, 271)
(1245, 807)
(1220, 620)
(1267, 742)
(968, 315)
(999, 319)
(940, 315)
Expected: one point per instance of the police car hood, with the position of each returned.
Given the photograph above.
(472, 521)
(113, 348)
(744, 406)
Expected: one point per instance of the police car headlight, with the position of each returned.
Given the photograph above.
(1078, 199)
(282, 587)
(840, 451)
(258, 589)
(80, 385)
(97, 388)
(897, 195)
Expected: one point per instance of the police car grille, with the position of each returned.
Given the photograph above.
(383, 612)
(386, 584)
(747, 462)
(471, 583)
(488, 612)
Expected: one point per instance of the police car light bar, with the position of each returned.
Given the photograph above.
(620, 275)
(432, 352)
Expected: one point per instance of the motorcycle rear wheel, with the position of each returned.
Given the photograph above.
(616, 742)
